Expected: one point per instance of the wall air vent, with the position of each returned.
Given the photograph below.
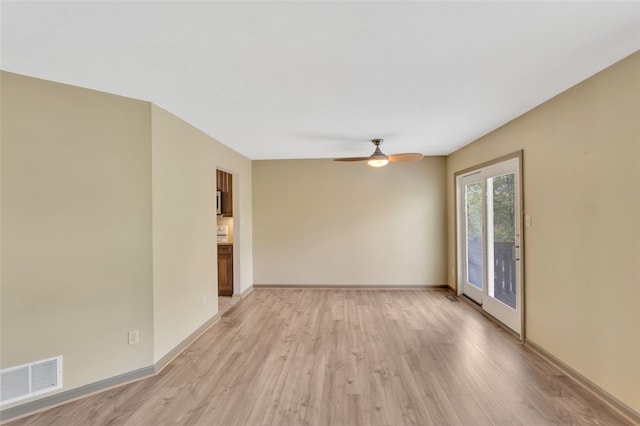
(27, 380)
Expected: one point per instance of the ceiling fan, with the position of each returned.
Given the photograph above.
(379, 159)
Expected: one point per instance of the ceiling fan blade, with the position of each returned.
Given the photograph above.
(352, 159)
(405, 158)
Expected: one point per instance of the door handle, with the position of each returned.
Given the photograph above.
(516, 252)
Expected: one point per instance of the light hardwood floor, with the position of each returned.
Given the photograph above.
(346, 357)
(225, 303)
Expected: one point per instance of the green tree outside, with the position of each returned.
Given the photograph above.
(503, 193)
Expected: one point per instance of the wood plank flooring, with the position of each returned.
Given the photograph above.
(225, 303)
(346, 357)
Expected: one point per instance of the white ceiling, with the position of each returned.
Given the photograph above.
(318, 79)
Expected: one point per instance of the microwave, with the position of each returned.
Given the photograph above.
(219, 202)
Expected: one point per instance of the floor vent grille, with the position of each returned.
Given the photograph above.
(453, 298)
(27, 380)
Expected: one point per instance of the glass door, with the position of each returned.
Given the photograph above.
(503, 245)
(473, 237)
(490, 252)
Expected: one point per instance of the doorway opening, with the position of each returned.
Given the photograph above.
(489, 239)
(225, 236)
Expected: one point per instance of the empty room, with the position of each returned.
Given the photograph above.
(319, 213)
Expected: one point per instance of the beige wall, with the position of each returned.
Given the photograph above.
(82, 262)
(582, 250)
(322, 222)
(108, 225)
(184, 227)
(76, 229)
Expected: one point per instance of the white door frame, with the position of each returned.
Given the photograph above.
(514, 321)
(472, 291)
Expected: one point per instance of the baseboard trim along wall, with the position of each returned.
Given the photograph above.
(600, 393)
(357, 286)
(74, 394)
(246, 292)
(173, 353)
(603, 395)
(100, 386)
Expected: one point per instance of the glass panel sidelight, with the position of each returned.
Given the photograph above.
(501, 236)
(474, 257)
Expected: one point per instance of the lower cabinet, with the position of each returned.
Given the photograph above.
(225, 270)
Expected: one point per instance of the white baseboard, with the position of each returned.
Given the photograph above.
(596, 390)
(357, 286)
(246, 292)
(65, 397)
(173, 353)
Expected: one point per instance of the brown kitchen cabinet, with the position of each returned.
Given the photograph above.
(225, 270)
(224, 182)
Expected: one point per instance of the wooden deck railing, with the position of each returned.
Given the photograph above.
(504, 277)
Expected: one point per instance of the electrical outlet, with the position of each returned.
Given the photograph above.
(204, 299)
(134, 337)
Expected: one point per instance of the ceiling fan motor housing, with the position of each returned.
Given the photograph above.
(380, 159)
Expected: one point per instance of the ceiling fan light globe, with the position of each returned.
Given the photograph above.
(378, 162)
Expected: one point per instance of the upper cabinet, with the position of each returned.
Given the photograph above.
(224, 183)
